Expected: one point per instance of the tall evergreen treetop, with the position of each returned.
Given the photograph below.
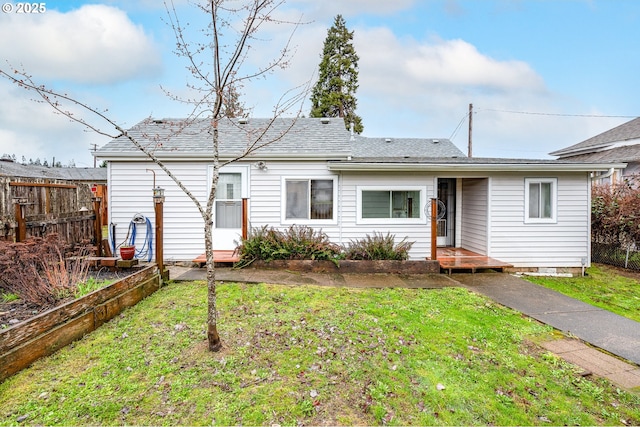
(334, 93)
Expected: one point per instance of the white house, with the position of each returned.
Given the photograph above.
(529, 213)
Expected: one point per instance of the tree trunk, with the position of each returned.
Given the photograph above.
(212, 314)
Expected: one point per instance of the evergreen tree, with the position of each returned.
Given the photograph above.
(232, 107)
(334, 93)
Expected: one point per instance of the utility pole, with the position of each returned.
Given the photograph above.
(95, 147)
(470, 130)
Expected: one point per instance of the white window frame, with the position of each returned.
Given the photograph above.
(419, 220)
(283, 200)
(554, 200)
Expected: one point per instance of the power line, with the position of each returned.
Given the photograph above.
(458, 127)
(558, 114)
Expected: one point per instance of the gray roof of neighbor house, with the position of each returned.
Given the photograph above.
(627, 153)
(620, 134)
(296, 138)
(12, 169)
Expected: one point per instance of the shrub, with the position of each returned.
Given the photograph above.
(302, 242)
(615, 213)
(297, 242)
(40, 270)
(378, 247)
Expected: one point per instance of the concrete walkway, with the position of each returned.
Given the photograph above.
(612, 333)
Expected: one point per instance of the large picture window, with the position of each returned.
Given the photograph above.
(309, 199)
(390, 205)
(540, 200)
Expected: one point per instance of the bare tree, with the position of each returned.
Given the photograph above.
(216, 68)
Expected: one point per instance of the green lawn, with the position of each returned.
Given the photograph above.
(603, 287)
(314, 355)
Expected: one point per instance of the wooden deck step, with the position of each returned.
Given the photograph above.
(219, 256)
(463, 259)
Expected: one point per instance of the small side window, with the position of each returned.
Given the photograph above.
(540, 200)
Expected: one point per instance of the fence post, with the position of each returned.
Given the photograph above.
(158, 205)
(434, 229)
(21, 229)
(97, 225)
(245, 218)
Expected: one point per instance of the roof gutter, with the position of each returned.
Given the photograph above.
(473, 167)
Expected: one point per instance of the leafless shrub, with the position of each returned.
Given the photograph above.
(42, 270)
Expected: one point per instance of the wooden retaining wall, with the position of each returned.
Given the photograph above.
(351, 266)
(24, 343)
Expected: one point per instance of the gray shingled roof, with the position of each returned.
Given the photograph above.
(302, 136)
(12, 169)
(625, 132)
(403, 147)
(628, 153)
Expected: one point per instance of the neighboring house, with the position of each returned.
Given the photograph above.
(530, 213)
(620, 144)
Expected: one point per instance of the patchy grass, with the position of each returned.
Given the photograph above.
(313, 355)
(8, 297)
(603, 286)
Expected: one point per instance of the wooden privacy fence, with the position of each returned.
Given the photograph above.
(36, 207)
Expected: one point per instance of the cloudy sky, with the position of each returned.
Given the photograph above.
(541, 74)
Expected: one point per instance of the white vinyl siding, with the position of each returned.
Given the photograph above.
(414, 230)
(130, 193)
(267, 201)
(563, 243)
(474, 206)
(491, 217)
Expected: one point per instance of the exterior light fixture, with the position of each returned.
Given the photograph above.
(158, 195)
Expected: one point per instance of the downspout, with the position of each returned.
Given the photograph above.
(340, 207)
(603, 176)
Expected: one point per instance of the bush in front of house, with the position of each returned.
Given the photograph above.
(378, 247)
(294, 243)
(305, 243)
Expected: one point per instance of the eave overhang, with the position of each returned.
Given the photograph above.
(474, 167)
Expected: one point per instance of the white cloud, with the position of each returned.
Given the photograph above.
(92, 44)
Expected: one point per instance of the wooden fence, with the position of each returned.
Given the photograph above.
(31, 207)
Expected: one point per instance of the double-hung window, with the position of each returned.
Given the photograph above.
(309, 199)
(385, 205)
(540, 200)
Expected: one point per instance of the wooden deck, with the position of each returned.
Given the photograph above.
(462, 259)
(219, 256)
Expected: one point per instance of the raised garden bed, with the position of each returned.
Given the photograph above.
(44, 334)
